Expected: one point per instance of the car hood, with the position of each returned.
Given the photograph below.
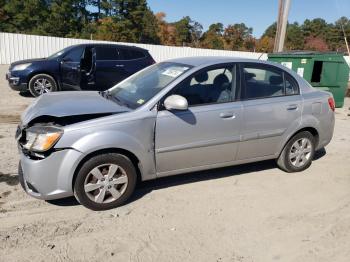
(27, 61)
(73, 103)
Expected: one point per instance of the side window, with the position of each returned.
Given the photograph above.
(210, 86)
(130, 54)
(107, 53)
(74, 55)
(262, 82)
(291, 86)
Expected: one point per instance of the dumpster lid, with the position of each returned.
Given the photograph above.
(305, 53)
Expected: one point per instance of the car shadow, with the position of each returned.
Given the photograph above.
(146, 187)
(25, 94)
(9, 178)
(319, 154)
(194, 177)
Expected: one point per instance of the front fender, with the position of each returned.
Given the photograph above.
(109, 139)
(138, 143)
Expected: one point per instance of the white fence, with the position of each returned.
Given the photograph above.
(15, 47)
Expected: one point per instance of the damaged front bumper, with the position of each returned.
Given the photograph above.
(51, 177)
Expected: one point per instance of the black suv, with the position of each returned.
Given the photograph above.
(78, 67)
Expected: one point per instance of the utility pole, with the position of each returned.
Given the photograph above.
(346, 41)
(283, 11)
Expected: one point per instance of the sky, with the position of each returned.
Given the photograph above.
(258, 14)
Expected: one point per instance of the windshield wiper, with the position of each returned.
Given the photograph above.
(105, 94)
(108, 95)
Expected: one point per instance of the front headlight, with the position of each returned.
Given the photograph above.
(20, 67)
(41, 138)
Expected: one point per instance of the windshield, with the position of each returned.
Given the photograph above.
(141, 87)
(59, 53)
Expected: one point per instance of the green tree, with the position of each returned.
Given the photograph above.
(335, 38)
(183, 31)
(19, 16)
(212, 38)
(108, 29)
(295, 37)
(316, 28)
(270, 31)
(235, 35)
(66, 18)
(137, 19)
(102, 8)
(3, 15)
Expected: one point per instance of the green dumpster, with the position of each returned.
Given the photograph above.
(326, 71)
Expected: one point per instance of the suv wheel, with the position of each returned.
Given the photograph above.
(42, 83)
(105, 181)
(298, 153)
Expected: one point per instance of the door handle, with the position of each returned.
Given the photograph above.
(227, 115)
(292, 107)
(119, 65)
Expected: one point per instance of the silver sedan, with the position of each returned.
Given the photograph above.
(173, 117)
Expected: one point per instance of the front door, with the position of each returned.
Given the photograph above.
(272, 106)
(208, 132)
(70, 68)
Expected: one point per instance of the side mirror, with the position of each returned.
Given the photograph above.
(175, 102)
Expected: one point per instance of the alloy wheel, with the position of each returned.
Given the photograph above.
(300, 152)
(105, 183)
(42, 85)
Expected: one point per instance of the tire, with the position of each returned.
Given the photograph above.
(42, 83)
(105, 181)
(294, 159)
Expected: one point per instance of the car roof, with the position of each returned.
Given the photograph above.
(111, 44)
(208, 60)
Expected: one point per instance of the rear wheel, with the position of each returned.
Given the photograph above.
(105, 181)
(298, 153)
(42, 83)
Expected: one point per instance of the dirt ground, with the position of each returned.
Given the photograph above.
(251, 212)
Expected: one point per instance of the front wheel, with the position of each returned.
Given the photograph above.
(105, 181)
(42, 83)
(298, 153)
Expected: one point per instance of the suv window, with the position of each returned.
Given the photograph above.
(74, 55)
(129, 54)
(260, 81)
(107, 53)
(209, 86)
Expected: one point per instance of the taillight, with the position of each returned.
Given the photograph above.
(331, 103)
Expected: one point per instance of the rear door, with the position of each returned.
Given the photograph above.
(134, 59)
(109, 67)
(272, 106)
(70, 68)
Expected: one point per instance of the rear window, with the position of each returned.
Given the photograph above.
(130, 54)
(107, 53)
(264, 81)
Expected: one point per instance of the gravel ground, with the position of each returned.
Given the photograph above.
(251, 212)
